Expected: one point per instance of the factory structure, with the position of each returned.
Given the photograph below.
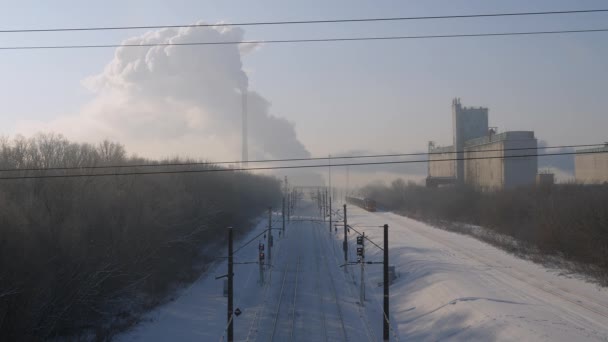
(591, 165)
(480, 156)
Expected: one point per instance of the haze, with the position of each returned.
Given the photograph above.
(306, 99)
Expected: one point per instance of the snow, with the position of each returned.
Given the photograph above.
(454, 286)
(450, 286)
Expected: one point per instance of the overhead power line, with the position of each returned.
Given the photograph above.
(299, 41)
(141, 173)
(291, 159)
(301, 22)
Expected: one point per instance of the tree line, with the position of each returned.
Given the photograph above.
(84, 257)
(566, 221)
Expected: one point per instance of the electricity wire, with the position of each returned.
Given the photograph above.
(140, 173)
(301, 22)
(296, 41)
(210, 163)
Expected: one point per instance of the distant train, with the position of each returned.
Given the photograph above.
(365, 203)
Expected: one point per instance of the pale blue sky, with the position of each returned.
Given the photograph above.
(379, 96)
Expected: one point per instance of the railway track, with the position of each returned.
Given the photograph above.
(254, 327)
(293, 305)
(318, 290)
(277, 314)
(334, 292)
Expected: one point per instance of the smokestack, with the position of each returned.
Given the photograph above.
(245, 152)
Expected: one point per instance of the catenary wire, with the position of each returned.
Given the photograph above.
(301, 22)
(295, 41)
(210, 163)
(141, 173)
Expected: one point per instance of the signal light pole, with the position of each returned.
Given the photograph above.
(269, 234)
(385, 262)
(261, 262)
(361, 260)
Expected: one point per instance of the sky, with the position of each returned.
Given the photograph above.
(306, 99)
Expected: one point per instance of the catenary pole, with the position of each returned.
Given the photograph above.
(230, 288)
(362, 294)
(385, 319)
(345, 242)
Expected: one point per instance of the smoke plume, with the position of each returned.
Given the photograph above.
(178, 100)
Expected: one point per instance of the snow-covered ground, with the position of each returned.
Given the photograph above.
(451, 287)
(455, 287)
(303, 297)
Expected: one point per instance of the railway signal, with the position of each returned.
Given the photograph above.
(269, 234)
(361, 260)
(262, 257)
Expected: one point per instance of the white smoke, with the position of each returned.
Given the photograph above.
(178, 100)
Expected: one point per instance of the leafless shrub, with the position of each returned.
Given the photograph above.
(84, 255)
(567, 221)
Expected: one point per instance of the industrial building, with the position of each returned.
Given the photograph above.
(591, 166)
(545, 179)
(481, 157)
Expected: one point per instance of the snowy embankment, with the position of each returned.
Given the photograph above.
(198, 312)
(450, 287)
(457, 287)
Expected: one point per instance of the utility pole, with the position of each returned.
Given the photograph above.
(230, 288)
(288, 206)
(261, 262)
(330, 191)
(346, 191)
(319, 202)
(323, 207)
(330, 215)
(345, 243)
(326, 201)
(362, 294)
(385, 319)
(283, 216)
(269, 234)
